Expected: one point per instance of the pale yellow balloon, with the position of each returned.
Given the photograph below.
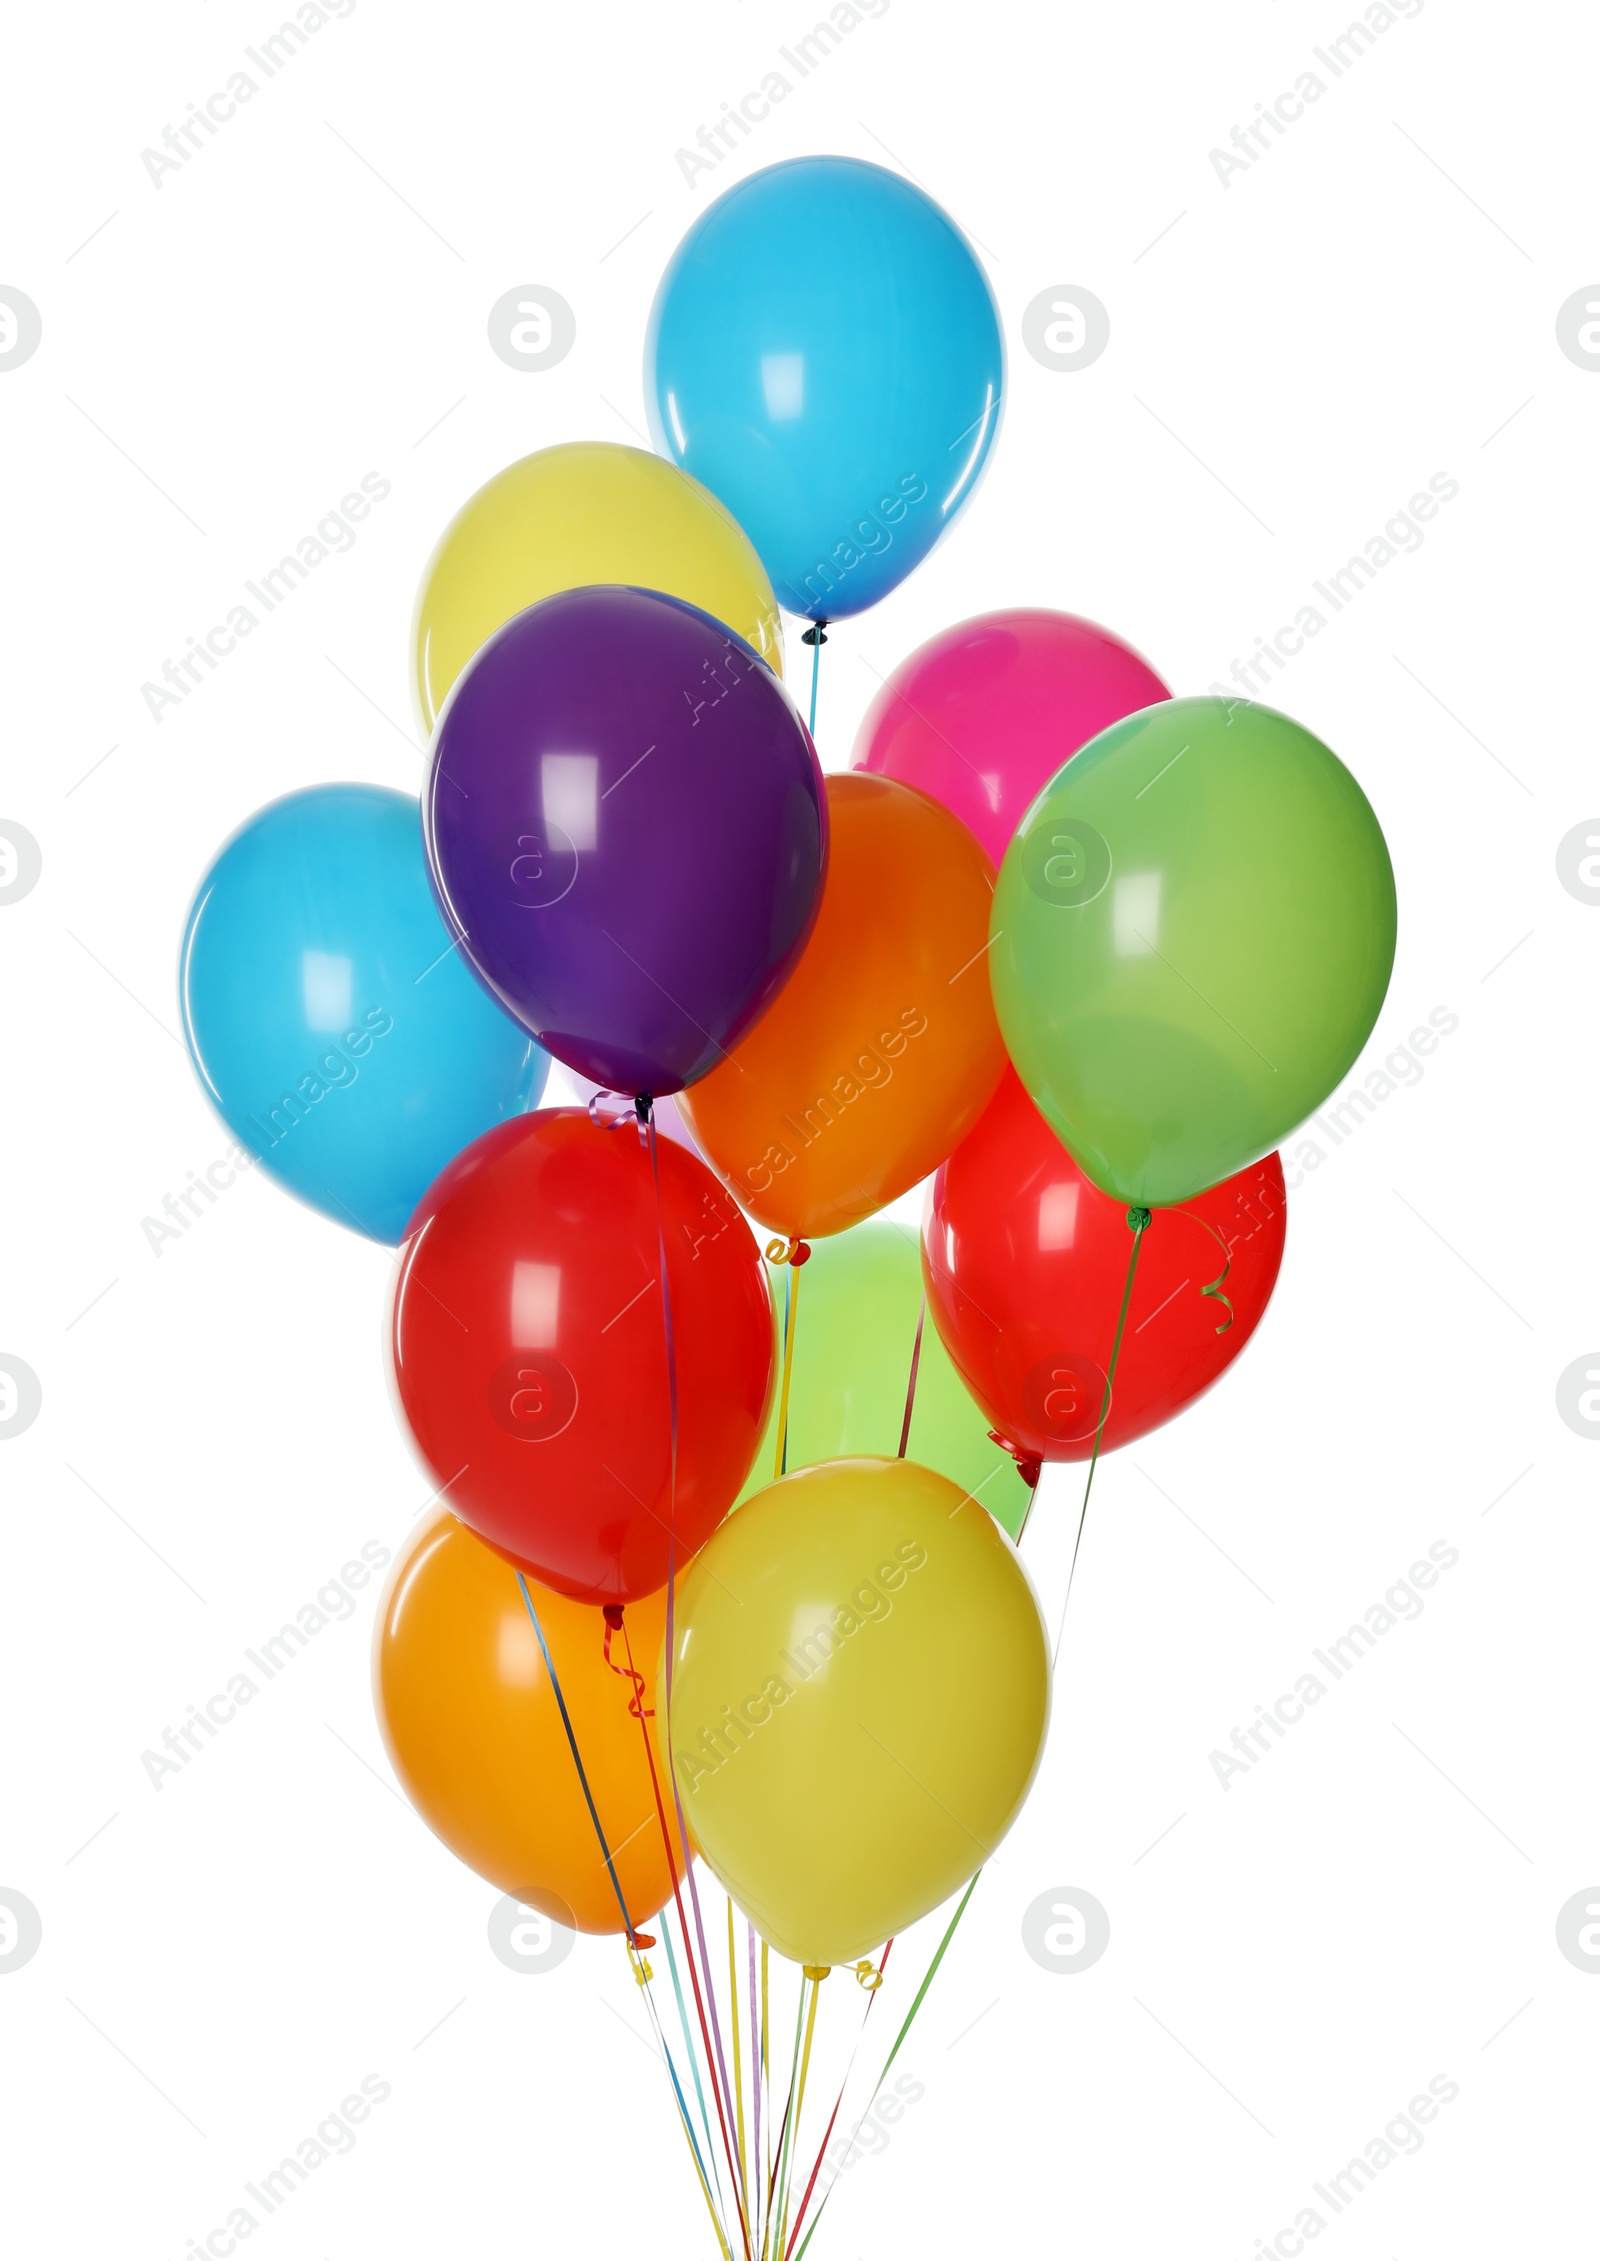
(859, 1697)
(570, 516)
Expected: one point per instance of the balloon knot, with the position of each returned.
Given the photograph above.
(817, 633)
(1029, 1469)
(612, 1613)
(1138, 1220)
(816, 1971)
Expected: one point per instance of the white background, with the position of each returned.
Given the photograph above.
(1300, 351)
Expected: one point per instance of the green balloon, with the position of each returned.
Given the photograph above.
(856, 1325)
(1193, 932)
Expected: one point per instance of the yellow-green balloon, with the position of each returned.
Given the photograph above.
(859, 1695)
(1193, 932)
(855, 1331)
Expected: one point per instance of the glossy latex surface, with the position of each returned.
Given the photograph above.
(626, 828)
(824, 354)
(1193, 933)
(881, 1051)
(1025, 1263)
(333, 1027)
(529, 1350)
(984, 714)
(572, 516)
(472, 1727)
(859, 1697)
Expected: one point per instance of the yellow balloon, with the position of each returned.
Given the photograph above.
(565, 518)
(860, 1690)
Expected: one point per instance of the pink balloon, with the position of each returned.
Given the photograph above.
(983, 715)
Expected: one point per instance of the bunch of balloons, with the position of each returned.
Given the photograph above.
(703, 1587)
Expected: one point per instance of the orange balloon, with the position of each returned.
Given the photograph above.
(881, 1050)
(472, 1726)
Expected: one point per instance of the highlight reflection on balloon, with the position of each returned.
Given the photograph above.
(824, 354)
(627, 831)
(332, 1026)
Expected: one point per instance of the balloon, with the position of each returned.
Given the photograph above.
(530, 1358)
(984, 714)
(626, 827)
(1025, 1262)
(859, 1696)
(881, 1051)
(327, 1016)
(570, 516)
(855, 1332)
(474, 1732)
(1193, 932)
(824, 353)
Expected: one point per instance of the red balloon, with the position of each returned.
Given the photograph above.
(529, 1352)
(1025, 1259)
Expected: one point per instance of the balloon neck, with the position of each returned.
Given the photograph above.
(1138, 1220)
(816, 634)
(1029, 1470)
(815, 1971)
(612, 1613)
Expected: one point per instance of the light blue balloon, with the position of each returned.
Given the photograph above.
(824, 354)
(334, 1027)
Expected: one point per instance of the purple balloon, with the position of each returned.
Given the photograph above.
(627, 829)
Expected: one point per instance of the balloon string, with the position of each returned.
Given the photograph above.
(791, 1254)
(755, 2064)
(1214, 1287)
(633, 1937)
(815, 1976)
(683, 2109)
(1138, 1225)
(779, 2175)
(927, 1980)
(683, 1922)
(766, 2066)
(911, 1385)
(636, 1939)
(827, 2134)
(688, 2043)
(816, 636)
(647, 1124)
(738, 2070)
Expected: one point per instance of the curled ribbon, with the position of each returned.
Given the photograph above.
(781, 1251)
(609, 1110)
(637, 1707)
